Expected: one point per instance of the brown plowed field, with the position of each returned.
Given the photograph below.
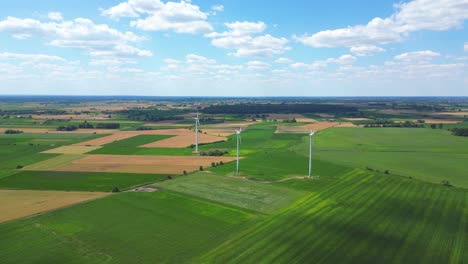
(141, 164)
(15, 204)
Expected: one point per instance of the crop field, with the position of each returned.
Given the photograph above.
(360, 218)
(76, 181)
(259, 197)
(16, 203)
(161, 227)
(137, 164)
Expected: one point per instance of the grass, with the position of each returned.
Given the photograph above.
(359, 218)
(270, 156)
(76, 181)
(260, 197)
(160, 227)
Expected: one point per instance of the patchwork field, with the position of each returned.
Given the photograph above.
(138, 164)
(16, 204)
(180, 138)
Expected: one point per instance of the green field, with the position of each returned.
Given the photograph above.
(259, 197)
(359, 218)
(270, 156)
(76, 181)
(158, 227)
(426, 154)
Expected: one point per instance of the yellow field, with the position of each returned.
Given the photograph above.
(53, 163)
(16, 204)
(140, 164)
(71, 150)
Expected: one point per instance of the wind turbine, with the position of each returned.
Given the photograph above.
(312, 132)
(197, 124)
(239, 139)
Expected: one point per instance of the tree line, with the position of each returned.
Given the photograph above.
(462, 132)
(249, 108)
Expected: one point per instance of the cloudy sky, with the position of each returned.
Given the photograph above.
(234, 47)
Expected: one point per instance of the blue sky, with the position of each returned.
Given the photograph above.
(235, 47)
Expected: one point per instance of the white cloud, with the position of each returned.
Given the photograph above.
(365, 50)
(417, 56)
(30, 57)
(258, 65)
(284, 60)
(466, 47)
(197, 59)
(240, 29)
(219, 8)
(240, 37)
(56, 16)
(410, 17)
(180, 17)
(81, 33)
(342, 60)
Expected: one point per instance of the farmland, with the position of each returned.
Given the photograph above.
(377, 195)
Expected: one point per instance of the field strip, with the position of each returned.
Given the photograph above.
(16, 204)
(183, 141)
(71, 150)
(182, 138)
(138, 164)
(315, 126)
(53, 163)
(53, 131)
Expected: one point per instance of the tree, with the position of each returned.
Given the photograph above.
(201, 168)
(441, 126)
(115, 190)
(185, 172)
(433, 126)
(221, 163)
(213, 164)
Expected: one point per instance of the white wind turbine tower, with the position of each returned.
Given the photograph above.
(197, 124)
(312, 132)
(239, 139)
